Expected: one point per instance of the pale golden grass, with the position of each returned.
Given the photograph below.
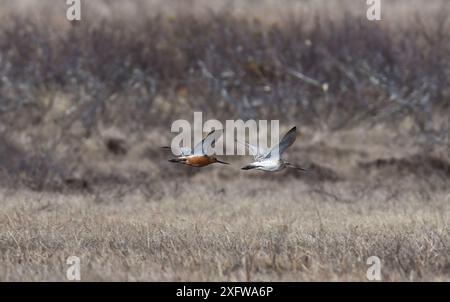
(235, 230)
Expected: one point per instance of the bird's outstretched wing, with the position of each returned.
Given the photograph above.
(287, 140)
(209, 142)
(257, 153)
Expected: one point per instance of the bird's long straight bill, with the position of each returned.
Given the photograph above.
(177, 160)
(222, 162)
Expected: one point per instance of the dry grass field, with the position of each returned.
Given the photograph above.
(85, 107)
(270, 232)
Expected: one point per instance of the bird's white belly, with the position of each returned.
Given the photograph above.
(270, 165)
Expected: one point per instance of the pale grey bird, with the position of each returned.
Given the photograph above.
(270, 160)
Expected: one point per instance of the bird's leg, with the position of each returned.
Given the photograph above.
(294, 166)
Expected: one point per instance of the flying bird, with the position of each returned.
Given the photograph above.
(270, 160)
(198, 157)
